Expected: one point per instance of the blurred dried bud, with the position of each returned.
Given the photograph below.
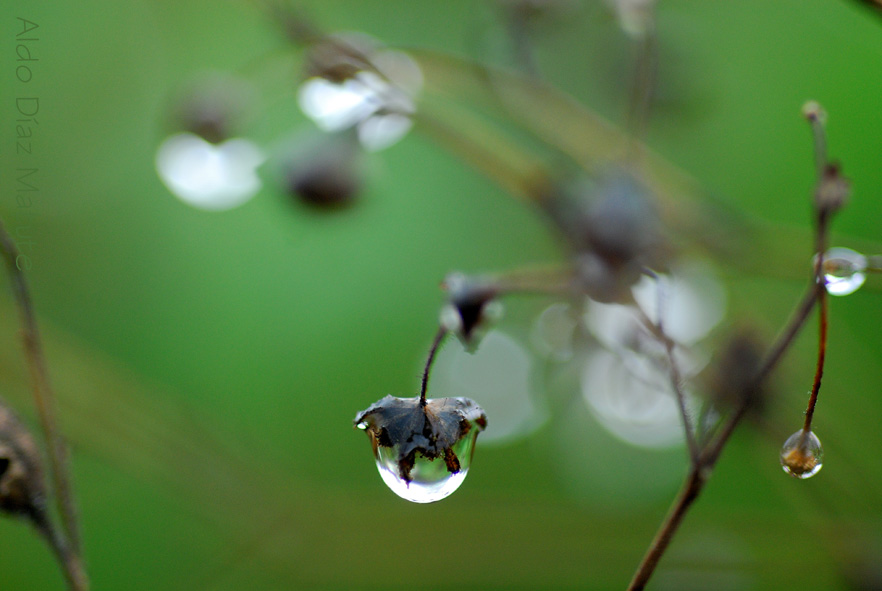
(213, 107)
(338, 58)
(22, 489)
(636, 17)
(833, 190)
(354, 81)
(434, 429)
(613, 229)
(471, 306)
(731, 382)
(326, 172)
(813, 111)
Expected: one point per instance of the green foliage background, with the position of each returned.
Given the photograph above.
(208, 365)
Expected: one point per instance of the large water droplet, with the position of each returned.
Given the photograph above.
(802, 455)
(430, 480)
(423, 449)
(844, 270)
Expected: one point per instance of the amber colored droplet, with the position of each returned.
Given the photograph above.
(802, 455)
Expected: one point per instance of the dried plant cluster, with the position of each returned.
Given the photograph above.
(621, 213)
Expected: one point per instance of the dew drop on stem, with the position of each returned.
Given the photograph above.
(802, 455)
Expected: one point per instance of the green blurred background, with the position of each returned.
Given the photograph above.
(208, 365)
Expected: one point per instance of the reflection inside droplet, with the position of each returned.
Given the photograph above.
(430, 479)
(209, 176)
(802, 455)
(844, 270)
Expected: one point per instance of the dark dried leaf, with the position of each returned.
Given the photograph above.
(430, 430)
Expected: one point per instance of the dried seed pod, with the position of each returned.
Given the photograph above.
(22, 488)
(472, 305)
(731, 381)
(833, 189)
(325, 172)
(213, 107)
(613, 229)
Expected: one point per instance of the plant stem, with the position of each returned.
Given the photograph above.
(72, 564)
(658, 331)
(436, 344)
(695, 481)
(44, 400)
(821, 288)
(700, 471)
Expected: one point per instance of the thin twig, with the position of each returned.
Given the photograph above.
(695, 481)
(658, 331)
(640, 103)
(557, 280)
(821, 288)
(73, 570)
(433, 351)
(44, 400)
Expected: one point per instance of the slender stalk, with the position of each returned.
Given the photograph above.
(821, 288)
(695, 481)
(536, 280)
(640, 103)
(518, 21)
(44, 401)
(433, 351)
(73, 570)
(657, 329)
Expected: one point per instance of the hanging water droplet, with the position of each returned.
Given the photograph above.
(802, 455)
(423, 450)
(844, 270)
(429, 479)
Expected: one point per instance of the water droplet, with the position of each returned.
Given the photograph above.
(423, 450)
(429, 479)
(844, 270)
(208, 176)
(362, 425)
(802, 455)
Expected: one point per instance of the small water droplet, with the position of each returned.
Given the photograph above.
(802, 455)
(430, 479)
(844, 271)
(362, 425)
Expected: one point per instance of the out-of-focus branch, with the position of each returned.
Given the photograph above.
(68, 551)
